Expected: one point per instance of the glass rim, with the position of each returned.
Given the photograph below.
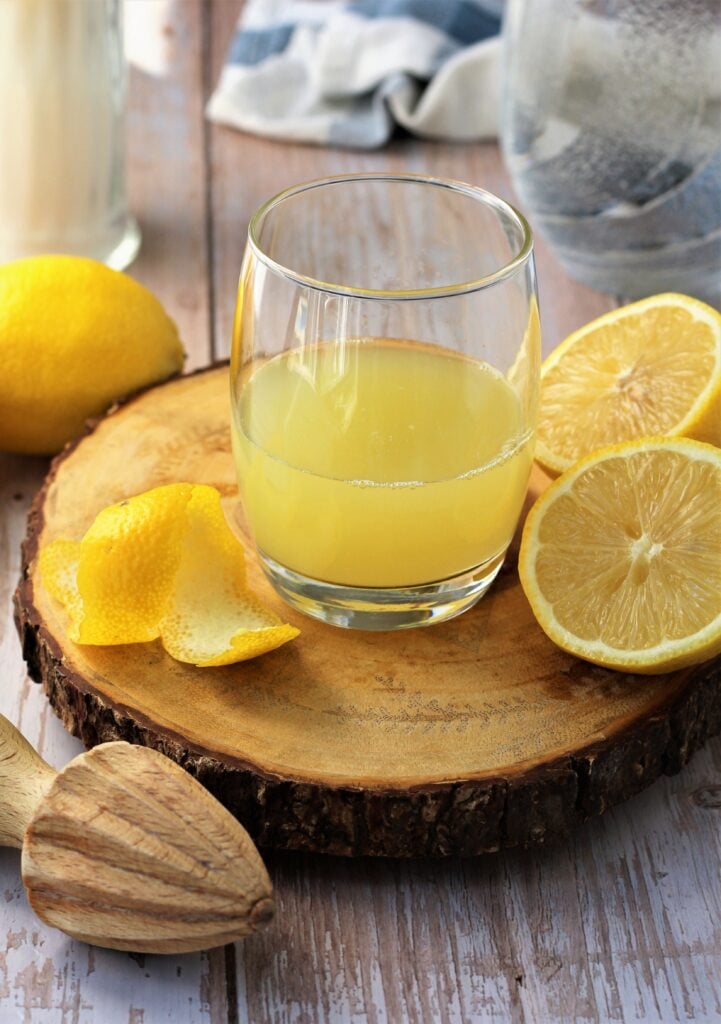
(508, 269)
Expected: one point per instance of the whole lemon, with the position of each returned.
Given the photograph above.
(74, 336)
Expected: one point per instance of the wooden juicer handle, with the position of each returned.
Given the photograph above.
(24, 783)
(124, 849)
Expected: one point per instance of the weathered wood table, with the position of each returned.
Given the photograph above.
(623, 923)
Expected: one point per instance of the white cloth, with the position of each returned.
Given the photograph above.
(347, 74)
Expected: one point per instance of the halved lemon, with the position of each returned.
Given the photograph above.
(621, 557)
(650, 368)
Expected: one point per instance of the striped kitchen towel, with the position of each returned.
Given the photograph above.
(343, 73)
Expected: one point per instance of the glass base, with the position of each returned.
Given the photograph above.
(382, 608)
(692, 269)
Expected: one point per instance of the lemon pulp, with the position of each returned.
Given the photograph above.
(621, 556)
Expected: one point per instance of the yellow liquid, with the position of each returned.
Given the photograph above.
(377, 463)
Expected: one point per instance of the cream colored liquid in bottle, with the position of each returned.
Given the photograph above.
(62, 185)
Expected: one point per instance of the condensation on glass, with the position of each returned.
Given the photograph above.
(612, 134)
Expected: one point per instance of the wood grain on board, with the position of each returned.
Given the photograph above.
(619, 923)
(463, 738)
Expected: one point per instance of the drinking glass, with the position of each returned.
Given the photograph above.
(384, 385)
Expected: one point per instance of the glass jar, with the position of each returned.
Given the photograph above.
(62, 94)
(612, 135)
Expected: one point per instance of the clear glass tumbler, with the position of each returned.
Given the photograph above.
(62, 107)
(384, 386)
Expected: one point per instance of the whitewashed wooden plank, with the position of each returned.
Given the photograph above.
(652, 896)
(247, 170)
(46, 978)
(166, 161)
(617, 925)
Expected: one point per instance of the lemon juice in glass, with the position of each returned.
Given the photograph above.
(384, 386)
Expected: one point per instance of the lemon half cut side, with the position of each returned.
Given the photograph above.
(621, 557)
(651, 368)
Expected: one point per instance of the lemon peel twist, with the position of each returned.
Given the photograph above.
(163, 565)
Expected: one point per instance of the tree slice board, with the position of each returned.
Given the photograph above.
(459, 738)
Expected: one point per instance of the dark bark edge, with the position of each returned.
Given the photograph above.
(463, 818)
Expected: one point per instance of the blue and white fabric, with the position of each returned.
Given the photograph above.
(346, 73)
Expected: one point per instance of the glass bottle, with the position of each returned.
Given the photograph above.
(62, 96)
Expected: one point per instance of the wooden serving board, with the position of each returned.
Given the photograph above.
(460, 738)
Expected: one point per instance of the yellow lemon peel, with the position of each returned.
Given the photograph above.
(59, 564)
(163, 564)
